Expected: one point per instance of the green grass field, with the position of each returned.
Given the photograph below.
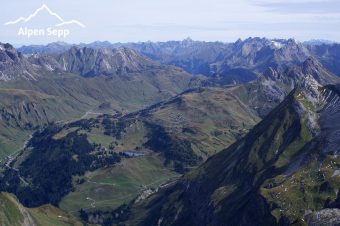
(96, 136)
(111, 187)
(11, 140)
(50, 215)
(10, 214)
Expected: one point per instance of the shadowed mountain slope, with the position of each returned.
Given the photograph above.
(283, 172)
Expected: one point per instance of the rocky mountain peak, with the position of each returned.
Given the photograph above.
(260, 53)
(308, 77)
(128, 55)
(13, 64)
(9, 54)
(188, 42)
(309, 71)
(312, 68)
(103, 61)
(310, 65)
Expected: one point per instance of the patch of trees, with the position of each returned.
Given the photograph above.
(85, 124)
(50, 166)
(114, 128)
(104, 161)
(188, 130)
(9, 180)
(176, 150)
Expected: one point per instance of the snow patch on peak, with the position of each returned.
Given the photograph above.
(277, 44)
(49, 67)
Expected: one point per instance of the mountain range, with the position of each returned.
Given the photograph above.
(207, 58)
(171, 133)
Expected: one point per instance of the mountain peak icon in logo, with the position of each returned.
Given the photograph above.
(45, 7)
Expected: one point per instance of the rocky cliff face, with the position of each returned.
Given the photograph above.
(90, 62)
(328, 54)
(274, 84)
(261, 53)
(13, 64)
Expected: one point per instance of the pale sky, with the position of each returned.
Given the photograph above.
(161, 20)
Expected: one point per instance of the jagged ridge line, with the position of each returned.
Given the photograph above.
(63, 22)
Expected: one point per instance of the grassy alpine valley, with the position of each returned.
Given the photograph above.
(170, 132)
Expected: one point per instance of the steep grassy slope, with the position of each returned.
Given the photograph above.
(211, 118)
(12, 213)
(280, 174)
(12, 139)
(50, 215)
(23, 110)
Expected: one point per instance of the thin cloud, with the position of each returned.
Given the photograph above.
(302, 6)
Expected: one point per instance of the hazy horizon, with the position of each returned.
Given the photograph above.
(18, 45)
(151, 20)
